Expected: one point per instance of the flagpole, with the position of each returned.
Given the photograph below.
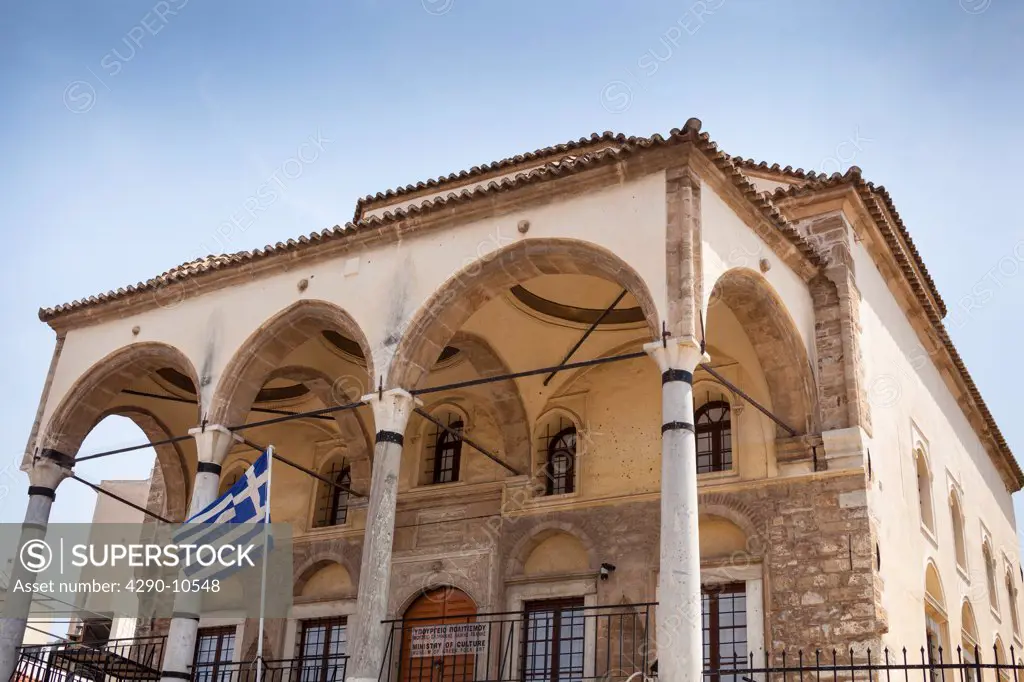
(263, 576)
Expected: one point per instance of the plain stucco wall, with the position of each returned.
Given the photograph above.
(911, 403)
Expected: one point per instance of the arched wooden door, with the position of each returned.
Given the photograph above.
(434, 647)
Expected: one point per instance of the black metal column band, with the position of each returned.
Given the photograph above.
(176, 675)
(28, 525)
(390, 437)
(676, 375)
(58, 457)
(42, 491)
(677, 426)
(208, 468)
(185, 615)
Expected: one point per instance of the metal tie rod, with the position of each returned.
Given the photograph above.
(438, 423)
(360, 403)
(528, 373)
(308, 472)
(98, 489)
(586, 335)
(735, 389)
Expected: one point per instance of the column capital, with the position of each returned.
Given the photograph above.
(213, 442)
(391, 409)
(48, 468)
(680, 352)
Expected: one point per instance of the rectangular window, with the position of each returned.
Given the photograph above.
(724, 610)
(96, 631)
(322, 646)
(553, 640)
(215, 651)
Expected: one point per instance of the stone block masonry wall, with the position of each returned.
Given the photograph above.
(823, 587)
(811, 536)
(837, 329)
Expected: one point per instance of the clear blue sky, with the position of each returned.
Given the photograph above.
(131, 132)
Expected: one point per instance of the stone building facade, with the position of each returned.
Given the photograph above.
(852, 489)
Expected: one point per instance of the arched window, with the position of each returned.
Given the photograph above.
(1001, 659)
(935, 620)
(1011, 595)
(959, 543)
(924, 492)
(561, 462)
(714, 437)
(332, 501)
(447, 452)
(338, 513)
(990, 575)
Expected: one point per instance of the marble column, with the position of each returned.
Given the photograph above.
(45, 473)
(680, 650)
(212, 444)
(391, 412)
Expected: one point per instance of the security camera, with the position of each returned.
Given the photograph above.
(606, 570)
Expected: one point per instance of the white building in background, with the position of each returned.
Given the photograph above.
(99, 621)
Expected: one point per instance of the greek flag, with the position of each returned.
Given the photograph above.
(238, 517)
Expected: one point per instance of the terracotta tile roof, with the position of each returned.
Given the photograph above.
(811, 181)
(606, 138)
(557, 167)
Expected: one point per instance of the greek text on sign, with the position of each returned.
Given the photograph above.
(448, 640)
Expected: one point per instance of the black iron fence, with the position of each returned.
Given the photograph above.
(549, 642)
(330, 668)
(140, 660)
(123, 659)
(922, 665)
(556, 643)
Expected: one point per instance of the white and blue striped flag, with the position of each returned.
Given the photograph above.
(238, 517)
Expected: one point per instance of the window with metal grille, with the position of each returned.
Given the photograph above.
(713, 427)
(339, 500)
(446, 451)
(724, 610)
(322, 647)
(96, 631)
(333, 500)
(561, 462)
(553, 640)
(215, 650)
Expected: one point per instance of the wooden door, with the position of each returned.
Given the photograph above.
(441, 606)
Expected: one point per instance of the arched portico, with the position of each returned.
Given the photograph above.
(170, 458)
(780, 352)
(454, 302)
(267, 348)
(93, 393)
(99, 392)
